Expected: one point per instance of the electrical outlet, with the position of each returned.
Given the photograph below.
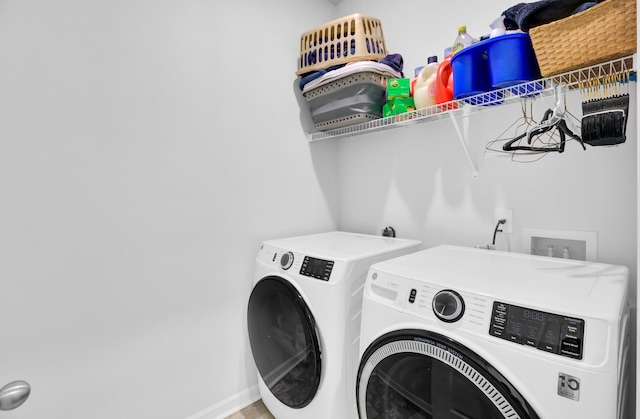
(507, 214)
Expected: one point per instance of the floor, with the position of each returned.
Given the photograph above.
(254, 411)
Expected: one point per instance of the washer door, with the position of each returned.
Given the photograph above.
(284, 341)
(421, 375)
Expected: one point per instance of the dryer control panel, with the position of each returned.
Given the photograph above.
(548, 332)
(316, 268)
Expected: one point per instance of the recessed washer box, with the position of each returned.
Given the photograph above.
(581, 245)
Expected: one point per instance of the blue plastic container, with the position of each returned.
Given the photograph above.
(494, 63)
(471, 74)
(511, 60)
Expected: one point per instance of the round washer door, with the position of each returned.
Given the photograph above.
(419, 374)
(284, 341)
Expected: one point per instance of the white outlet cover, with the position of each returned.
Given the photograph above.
(506, 213)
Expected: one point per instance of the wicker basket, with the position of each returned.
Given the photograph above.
(602, 33)
(355, 37)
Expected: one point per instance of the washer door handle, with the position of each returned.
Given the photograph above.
(14, 394)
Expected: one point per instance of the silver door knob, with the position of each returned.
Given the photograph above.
(14, 394)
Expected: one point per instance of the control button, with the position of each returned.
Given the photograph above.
(569, 344)
(515, 338)
(571, 348)
(531, 342)
(497, 332)
(571, 354)
(448, 306)
(286, 260)
(549, 347)
(412, 296)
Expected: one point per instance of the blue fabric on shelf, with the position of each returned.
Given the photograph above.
(525, 16)
(584, 6)
(309, 77)
(394, 61)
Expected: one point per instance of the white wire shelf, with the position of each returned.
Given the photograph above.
(542, 87)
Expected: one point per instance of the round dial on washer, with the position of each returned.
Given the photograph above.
(448, 306)
(286, 260)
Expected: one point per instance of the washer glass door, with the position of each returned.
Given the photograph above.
(422, 375)
(284, 341)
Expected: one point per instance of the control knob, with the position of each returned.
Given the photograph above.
(448, 306)
(286, 260)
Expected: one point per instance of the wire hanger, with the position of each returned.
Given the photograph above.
(557, 112)
(519, 127)
(553, 122)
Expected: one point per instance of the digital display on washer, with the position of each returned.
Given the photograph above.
(549, 332)
(316, 268)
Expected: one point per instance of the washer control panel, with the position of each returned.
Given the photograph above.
(316, 268)
(548, 332)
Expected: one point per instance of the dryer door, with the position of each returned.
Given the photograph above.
(284, 341)
(419, 374)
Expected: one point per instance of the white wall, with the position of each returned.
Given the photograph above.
(146, 149)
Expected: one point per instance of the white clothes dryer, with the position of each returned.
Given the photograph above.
(454, 332)
(304, 320)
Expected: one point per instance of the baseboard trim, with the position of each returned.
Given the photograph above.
(230, 405)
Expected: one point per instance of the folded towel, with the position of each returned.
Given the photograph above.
(349, 69)
(525, 16)
(309, 77)
(395, 61)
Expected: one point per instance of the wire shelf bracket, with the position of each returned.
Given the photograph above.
(463, 136)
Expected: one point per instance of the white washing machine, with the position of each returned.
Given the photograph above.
(453, 332)
(304, 320)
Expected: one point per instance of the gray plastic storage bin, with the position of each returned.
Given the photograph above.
(349, 100)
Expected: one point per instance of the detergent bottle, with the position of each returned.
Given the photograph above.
(444, 83)
(415, 78)
(462, 41)
(424, 92)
